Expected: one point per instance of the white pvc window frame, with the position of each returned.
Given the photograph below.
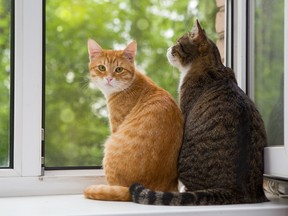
(236, 39)
(26, 176)
(28, 90)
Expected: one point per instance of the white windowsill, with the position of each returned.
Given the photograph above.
(78, 205)
(63, 182)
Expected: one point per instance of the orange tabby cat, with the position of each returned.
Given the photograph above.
(146, 126)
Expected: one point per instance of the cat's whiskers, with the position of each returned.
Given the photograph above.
(85, 82)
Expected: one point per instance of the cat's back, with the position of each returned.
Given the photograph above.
(222, 101)
(223, 138)
(216, 90)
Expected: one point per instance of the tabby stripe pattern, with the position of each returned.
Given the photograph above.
(142, 195)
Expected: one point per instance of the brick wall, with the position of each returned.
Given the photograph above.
(220, 26)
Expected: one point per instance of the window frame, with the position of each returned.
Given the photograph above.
(26, 178)
(236, 36)
(276, 157)
(27, 97)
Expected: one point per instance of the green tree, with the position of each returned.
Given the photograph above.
(76, 120)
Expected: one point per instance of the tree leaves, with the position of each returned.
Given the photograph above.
(76, 123)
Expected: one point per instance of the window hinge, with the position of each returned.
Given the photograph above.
(42, 166)
(42, 158)
(42, 134)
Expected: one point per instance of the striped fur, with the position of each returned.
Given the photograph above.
(221, 159)
(142, 195)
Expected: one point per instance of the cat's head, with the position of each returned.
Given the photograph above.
(111, 70)
(190, 47)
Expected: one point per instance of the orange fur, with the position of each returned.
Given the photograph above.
(107, 192)
(146, 127)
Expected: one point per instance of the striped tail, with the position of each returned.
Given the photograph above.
(107, 193)
(142, 195)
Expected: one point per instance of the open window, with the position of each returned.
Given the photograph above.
(51, 36)
(268, 78)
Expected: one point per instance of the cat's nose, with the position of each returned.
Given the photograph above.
(109, 79)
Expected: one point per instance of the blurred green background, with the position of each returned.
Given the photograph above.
(76, 116)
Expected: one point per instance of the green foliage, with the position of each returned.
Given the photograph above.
(5, 6)
(76, 117)
(207, 19)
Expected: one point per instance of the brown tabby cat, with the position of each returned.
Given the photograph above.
(146, 126)
(221, 159)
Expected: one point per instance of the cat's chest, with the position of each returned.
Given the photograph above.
(183, 74)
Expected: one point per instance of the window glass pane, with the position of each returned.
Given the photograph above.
(76, 118)
(269, 66)
(5, 77)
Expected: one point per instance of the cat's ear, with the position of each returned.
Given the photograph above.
(130, 51)
(93, 49)
(197, 31)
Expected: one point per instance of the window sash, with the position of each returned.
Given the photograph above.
(236, 35)
(27, 97)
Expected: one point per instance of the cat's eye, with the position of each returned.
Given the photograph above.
(119, 69)
(102, 68)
